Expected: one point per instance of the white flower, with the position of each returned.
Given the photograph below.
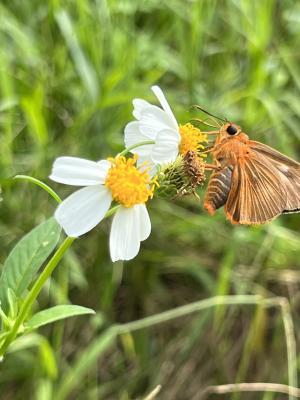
(153, 123)
(104, 181)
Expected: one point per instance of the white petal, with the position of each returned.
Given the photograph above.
(124, 240)
(144, 221)
(164, 103)
(105, 165)
(78, 171)
(144, 153)
(133, 136)
(83, 210)
(154, 119)
(138, 106)
(166, 147)
(146, 163)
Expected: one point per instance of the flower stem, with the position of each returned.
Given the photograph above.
(34, 292)
(38, 285)
(111, 211)
(124, 152)
(40, 184)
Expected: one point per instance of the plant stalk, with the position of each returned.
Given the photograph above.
(128, 149)
(34, 292)
(40, 184)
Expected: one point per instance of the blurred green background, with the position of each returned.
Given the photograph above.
(68, 73)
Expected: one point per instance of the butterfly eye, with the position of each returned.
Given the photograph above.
(231, 130)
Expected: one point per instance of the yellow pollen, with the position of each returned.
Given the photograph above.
(128, 185)
(191, 139)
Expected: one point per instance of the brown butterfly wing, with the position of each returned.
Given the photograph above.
(289, 171)
(272, 154)
(257, 193)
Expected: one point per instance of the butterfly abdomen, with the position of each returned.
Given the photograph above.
(218, 189)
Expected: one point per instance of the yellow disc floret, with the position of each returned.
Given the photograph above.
(191, 139)
(129, 185)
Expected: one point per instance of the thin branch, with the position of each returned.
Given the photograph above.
(153, 393)
(252, 387)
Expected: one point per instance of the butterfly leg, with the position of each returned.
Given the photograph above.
(208, 149)
(212, 167)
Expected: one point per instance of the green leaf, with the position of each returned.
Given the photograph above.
(26, 258)
(55, 314)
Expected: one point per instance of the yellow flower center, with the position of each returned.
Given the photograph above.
(128, 185)
(191, 139)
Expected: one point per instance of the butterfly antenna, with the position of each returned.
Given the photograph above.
(208, 113)
(203, 121)
(214, 121)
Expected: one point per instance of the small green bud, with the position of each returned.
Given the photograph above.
(181, 177)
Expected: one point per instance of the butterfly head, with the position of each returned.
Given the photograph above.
(230, 131)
